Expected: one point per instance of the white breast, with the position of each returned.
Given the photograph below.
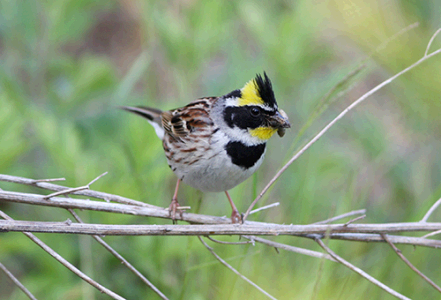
(211, 169)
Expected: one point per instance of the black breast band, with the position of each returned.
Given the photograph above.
(244, 156)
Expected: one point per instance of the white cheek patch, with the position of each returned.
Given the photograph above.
(158, 129)
(241, 135)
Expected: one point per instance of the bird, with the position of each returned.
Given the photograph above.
(215, 143)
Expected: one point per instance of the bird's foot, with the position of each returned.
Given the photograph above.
(236, 217)
(175, 207)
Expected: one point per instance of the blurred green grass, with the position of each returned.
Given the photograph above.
(65, 66)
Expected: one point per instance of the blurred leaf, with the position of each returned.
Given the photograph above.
(137, 70)
(12, 141)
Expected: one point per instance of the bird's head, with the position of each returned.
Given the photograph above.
(252, 113)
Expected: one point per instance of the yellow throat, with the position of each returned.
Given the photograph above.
(263, 133)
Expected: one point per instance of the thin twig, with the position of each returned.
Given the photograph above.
(396, 239)
(121, 258)
(93, 181)
(289, 248)
(49, 180)
(88, 193)
(431, 40)
(183, 208)
(73, 190)
(398, 252)
(264, 207)
(396, 35)
(360, 271)
(354, 220)
(229, 243)
(65, 192)
(336, 218)
(17, 282)
(431, 234)
(431, 210)
(234, 270)
(65, 263)
(330, 124)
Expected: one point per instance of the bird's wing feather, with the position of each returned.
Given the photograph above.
(192, 118)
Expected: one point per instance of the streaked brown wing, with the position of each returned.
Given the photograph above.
(191, 118)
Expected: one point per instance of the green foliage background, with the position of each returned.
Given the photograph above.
(65, 65)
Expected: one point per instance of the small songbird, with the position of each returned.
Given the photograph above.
(215, 143)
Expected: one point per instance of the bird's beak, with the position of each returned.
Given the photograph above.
(280, 122)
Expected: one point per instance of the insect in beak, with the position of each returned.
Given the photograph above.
(280, 121)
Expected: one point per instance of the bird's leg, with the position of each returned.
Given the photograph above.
(235, 216)
(174, 205)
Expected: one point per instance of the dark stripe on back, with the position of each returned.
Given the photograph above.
(244, 156)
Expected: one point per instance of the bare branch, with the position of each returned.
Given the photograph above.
(66, 191)
(122, 259)
(73, 190)
(110, 207)
(90, 183)
(336, 218)
(17, 282)
(88, 193)
(405, 240)
(396, 35)
(264, 207)
(431, 40)
(49, 180)
(330, 124)
(360, 271)
(354, 220)
(203, 219)
(431, 210)
(64, 262)
(218, 229)
(228, 243)
(289, 248)
(431, 234)
(398, 252)
(234, 270)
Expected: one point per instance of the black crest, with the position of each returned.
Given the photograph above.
(265, 90)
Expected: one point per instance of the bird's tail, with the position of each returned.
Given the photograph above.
(153, 115)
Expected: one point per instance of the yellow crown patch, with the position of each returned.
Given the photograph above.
(263, 133)
(250, 94)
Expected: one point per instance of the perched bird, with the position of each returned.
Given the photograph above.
(215, 143)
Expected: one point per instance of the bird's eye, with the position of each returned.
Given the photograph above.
(254, 111)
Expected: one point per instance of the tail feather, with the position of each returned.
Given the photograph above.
(153, 115)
